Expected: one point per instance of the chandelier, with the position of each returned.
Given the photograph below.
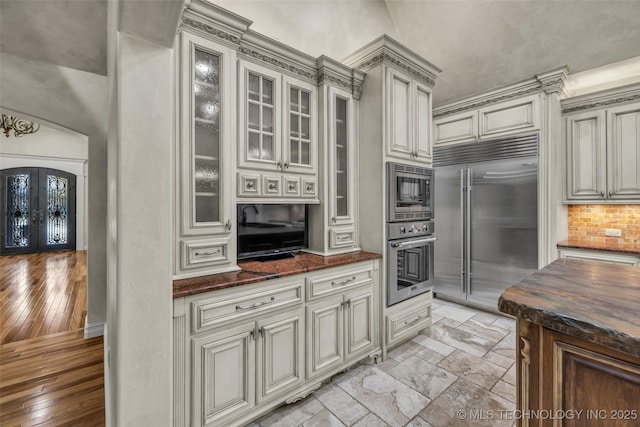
(19, 126)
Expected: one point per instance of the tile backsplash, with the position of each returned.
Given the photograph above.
(588, 222)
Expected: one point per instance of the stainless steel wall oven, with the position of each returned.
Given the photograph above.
(410, 254)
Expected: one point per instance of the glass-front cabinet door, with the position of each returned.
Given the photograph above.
(341, 152)
(277, 129)
(203, 147)
(299, 147)
(259, 112)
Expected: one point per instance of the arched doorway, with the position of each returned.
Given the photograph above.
(39, 210)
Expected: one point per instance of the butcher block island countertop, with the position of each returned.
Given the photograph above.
(252, 271)
(578, 343)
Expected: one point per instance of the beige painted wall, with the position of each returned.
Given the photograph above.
(75, 100)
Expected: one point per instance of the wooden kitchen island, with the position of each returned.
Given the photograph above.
(578, 344)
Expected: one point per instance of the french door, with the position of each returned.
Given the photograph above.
(39, 210)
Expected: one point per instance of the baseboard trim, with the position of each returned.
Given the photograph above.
(92, 330)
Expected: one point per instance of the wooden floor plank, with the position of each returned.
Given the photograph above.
(49, 374)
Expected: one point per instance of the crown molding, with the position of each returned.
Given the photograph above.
(210, 20)
(385, 50)
(620, 95)
(547, 82)
(334, 73)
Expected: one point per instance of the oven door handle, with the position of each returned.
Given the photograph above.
(414, 242)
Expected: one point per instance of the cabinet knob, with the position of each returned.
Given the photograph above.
(286, 165)
(602, 194)
(334, 219)
(309, 187)
(272, 186)
(250, 184)
(610, 194)
(292, 187)
(279, 164)
(228, 225)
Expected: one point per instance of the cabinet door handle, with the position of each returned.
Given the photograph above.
(286, 165)
(344, 282)
(228, 225)
(602, 194)
(610, 194)
(291, 187)
(279, 164)
(261, 331)
(348, 302)
(256, 305)
(309, 187)
(334, 219)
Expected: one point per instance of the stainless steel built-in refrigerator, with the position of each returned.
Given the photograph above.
(486, 211)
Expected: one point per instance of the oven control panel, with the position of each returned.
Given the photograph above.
(403, 230)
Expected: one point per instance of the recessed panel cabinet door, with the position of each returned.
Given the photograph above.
(280, 354)
(423, 119)
(586, 155)
(324, 335)
(400, 138)
(623, 152)
(223, 375)
(359, 321)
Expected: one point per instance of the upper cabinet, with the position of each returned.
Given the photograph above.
(408, 118)
(491, 121)
(333, 225)
(398, 84)
(602, 133)
(204, 172)
(277, 123)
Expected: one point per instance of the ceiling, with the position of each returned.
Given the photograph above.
(479, 44)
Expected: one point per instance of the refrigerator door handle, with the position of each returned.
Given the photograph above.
(463, 217)
(469, 231)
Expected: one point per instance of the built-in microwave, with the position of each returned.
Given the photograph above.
(409, 192)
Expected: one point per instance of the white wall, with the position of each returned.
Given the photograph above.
(57, 149)
(75, 100)
(140, 303)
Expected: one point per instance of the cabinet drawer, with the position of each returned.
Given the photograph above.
(401, 324)
(202, 253)
(248, 185)
(342, 238)
(511, 116)
(320, 286)
(309, 187)
(211, 312)
(291, 186)
(271, 186)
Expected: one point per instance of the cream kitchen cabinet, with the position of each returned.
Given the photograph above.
(240, 352)
(603, 154)
(340, 319)
(204, 172)
(408, 118)
(277, 134)
(492, 121)
(246, 365)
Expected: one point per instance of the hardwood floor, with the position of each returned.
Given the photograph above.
(49, 374)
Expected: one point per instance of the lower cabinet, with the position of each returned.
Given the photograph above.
(246, 365)
(600, 256)
(561, 374)
(339, 328)
(405, 319)
(240, 352)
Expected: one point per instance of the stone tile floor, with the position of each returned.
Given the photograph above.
(463, 374)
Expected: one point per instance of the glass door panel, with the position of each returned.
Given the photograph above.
(299, 124)
(206, 136)
(260, 118)
(341, 156)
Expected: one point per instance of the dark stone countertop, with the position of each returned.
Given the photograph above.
(256, 271)
(593, 301)
(584, 244)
